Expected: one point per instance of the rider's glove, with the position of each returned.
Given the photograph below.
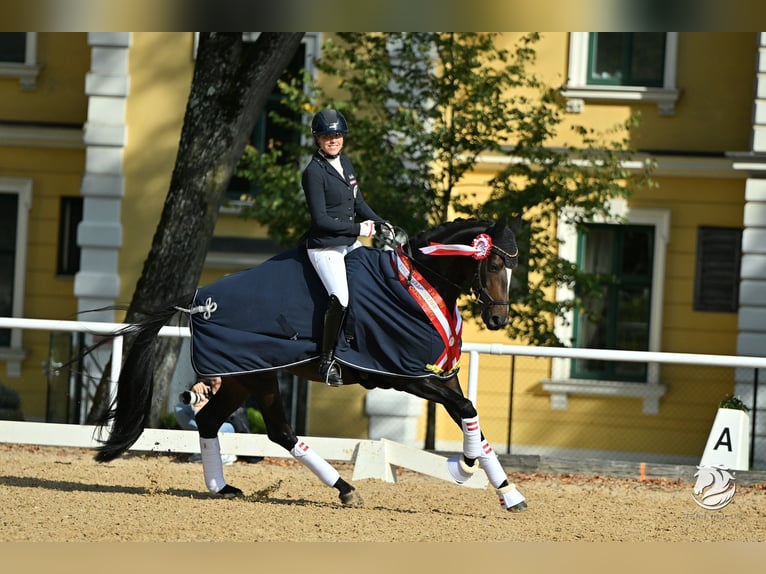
(367, 228)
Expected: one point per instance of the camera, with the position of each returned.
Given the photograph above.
(192, 398)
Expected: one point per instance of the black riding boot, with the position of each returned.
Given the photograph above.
(333, 321)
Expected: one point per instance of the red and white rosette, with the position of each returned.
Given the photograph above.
(480, 248)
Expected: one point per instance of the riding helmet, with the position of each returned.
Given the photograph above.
(329, 122)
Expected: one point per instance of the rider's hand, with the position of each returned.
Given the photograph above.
(367, 228)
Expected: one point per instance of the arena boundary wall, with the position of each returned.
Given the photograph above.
(372, 459)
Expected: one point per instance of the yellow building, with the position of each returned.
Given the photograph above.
(89, 128)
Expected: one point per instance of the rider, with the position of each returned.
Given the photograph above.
(334, 200)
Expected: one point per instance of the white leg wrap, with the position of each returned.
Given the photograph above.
(509, 496)
(491, 465)
(459, 470)
(471, 437)
(212, 467)
(315, 463)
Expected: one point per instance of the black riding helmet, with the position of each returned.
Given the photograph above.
(329, 122)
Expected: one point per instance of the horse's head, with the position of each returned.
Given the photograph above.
(476, 255)
(493, 276)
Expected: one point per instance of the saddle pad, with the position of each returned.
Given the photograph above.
(271, 317)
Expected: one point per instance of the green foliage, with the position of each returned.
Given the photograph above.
(279, 201)
(255, 418)
(733, 402)
(168, 421)
(422, 109)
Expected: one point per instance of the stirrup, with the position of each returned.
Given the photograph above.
(330, 372)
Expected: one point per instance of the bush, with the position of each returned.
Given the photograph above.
(732, 402)
(255, 418)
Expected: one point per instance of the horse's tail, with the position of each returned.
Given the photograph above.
(129, 410)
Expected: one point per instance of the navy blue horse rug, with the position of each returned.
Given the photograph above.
(271, 317)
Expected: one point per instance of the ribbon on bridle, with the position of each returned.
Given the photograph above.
(480, 248)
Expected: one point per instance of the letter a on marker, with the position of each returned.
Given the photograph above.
(724, 439)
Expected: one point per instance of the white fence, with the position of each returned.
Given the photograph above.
(474, 350)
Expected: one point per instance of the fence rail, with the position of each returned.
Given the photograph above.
(475, 352)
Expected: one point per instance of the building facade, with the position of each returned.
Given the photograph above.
(89, 129)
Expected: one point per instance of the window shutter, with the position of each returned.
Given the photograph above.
(716, 285)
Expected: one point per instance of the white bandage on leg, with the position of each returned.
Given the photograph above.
(471, 437)
(315, 463)
(212, 466)
(459, 470)
(491, 465)
(509, 496)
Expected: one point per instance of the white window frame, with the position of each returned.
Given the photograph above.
(561, 385)
(27, 72)
(15, 354)
(577, 91)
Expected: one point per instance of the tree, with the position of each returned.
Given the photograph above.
(232, 81)
(422, 109)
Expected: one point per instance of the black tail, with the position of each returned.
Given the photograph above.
(130, 409)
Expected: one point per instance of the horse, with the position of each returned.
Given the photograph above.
(402, 331)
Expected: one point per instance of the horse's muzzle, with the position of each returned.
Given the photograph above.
(495, 321)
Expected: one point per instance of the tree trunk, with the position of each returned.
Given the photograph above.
(231, 84)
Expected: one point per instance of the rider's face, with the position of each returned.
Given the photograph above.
(331, 144)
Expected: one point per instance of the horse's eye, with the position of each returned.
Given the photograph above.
(495, 268)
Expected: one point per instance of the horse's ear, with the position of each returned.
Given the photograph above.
(515, 223)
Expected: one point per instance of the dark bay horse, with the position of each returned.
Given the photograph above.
(403, 332)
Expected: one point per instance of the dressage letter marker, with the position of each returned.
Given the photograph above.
(729, 442)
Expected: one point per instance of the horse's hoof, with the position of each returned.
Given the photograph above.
(230, 491)
(520, 507)
(351, 499)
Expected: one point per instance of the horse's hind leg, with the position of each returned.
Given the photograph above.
(266, 394)
(209, 419)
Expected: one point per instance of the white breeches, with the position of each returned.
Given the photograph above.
(330, 265)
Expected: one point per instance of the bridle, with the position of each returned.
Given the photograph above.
(480, 289)
(478, 286)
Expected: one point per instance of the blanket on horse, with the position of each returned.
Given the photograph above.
(271, 317)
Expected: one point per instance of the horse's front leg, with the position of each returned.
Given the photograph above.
(476, 447)
(269, 401)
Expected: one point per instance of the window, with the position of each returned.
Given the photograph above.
(18, 58)
(8, 210)
(618, 317)
(622, 67)
(15, 203)
(631, 59)
(642, 240)
(70, 215)
(716, 281)
(13, 47)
